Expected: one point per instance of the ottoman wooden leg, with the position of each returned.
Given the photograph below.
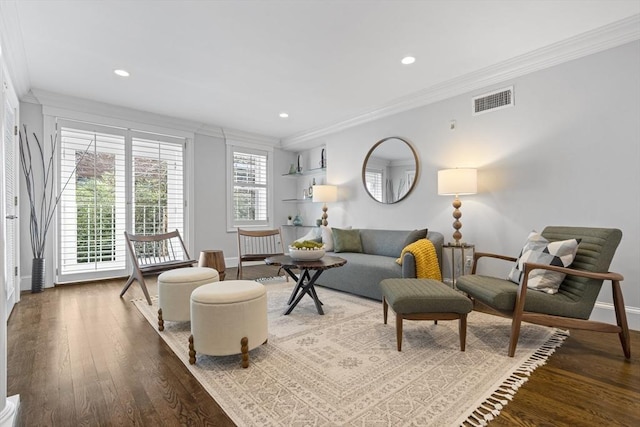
(385, 308)
(160, 320)
(192, 351)
(462, 326)
(244, 348)
(399, 331)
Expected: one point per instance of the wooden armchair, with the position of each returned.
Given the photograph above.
(257, 245)
(571, 307)
(155, 254)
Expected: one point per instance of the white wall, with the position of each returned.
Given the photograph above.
(567, 153)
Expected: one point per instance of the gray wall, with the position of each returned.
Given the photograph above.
(567, 153)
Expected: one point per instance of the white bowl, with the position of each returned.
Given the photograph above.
(306, 254)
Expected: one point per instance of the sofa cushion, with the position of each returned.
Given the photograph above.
(539, 250)
(346, 240)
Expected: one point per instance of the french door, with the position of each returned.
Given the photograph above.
(10, 181)
(113, 180)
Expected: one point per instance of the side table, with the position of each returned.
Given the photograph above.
(464, 250)
(213, 259)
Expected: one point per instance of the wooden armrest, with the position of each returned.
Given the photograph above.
(529, 266)
(478, 255)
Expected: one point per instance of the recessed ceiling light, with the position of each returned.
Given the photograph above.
(408, 60)
(284, 115)
(121, 73)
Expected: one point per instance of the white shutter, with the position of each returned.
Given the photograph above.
(250, 180)
(92, 206)
(157, 184)
(374, 183)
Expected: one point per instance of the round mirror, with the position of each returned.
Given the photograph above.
(390, 169)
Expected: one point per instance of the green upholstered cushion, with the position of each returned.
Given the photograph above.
(346, 240)
(411, 296)
(416, 235)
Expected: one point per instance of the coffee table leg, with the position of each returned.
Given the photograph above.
(299, 283)
(306, 289)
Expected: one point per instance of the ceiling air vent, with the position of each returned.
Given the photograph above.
(492, 101)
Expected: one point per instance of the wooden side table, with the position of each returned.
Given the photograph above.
(213, 259)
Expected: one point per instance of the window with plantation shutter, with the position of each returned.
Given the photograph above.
(250, 171)
(373, 178)
(114, 180)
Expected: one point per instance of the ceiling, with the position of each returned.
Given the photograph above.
(238, 64)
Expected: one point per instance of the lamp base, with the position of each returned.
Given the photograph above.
(324, 215)
(457, 225)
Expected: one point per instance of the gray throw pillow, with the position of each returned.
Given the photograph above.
(416, 235)
(346, 240)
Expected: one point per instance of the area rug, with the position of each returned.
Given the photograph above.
(343, 368)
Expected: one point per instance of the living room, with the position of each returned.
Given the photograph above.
(565, 153)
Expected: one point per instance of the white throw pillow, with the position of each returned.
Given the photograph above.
(539, 250)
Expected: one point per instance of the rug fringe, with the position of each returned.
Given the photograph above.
(490, 408)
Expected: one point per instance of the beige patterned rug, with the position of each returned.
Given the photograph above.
(343, 369)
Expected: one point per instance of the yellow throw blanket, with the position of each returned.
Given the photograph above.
(427, 266)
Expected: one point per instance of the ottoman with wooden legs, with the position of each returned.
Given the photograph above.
(174, 292)
(424, 299)
(228, 318)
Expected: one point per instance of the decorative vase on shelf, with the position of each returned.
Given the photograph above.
(297, 221)
(292, 169)
(289, 221)
(37, 275)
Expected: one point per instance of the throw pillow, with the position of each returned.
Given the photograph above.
(346, 240)
(327, 237)
(416, 235)
(540, 250)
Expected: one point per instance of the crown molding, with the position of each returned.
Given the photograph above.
(12, 47)
(603, 38)
(58, 104)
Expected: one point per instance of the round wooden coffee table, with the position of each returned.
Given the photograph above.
(305, 282)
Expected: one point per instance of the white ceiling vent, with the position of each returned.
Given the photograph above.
(492, 101)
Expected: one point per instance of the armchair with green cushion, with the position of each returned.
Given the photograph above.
(571, 306)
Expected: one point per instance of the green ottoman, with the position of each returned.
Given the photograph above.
(424, 299)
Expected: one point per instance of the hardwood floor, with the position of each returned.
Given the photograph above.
(80, 355)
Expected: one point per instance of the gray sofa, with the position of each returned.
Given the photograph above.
(362, 273)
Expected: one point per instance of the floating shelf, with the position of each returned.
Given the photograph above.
(304, 173)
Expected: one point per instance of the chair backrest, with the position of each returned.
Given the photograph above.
(595, 253)
(255, 245)
(156, 248)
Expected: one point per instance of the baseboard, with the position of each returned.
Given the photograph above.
(605, 312)
(9, 417)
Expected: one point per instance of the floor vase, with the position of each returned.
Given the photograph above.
(37, 275)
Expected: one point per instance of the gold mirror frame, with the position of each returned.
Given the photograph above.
(405, 175)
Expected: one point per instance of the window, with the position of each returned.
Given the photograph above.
(249, 193)
(114, 180)
(373, 178)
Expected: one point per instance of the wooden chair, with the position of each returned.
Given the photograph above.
(571, 307)
(257, 245)
(154, 254)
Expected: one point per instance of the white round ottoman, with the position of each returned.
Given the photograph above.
(227, 318)
(174, 290)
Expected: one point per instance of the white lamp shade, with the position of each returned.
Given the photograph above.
(325, 193)
(457, 181)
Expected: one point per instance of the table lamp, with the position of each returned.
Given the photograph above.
(457, 182)
(325, 194)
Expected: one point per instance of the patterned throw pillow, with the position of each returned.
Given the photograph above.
(540, 250)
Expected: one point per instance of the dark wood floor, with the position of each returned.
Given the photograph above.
(79, 355)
